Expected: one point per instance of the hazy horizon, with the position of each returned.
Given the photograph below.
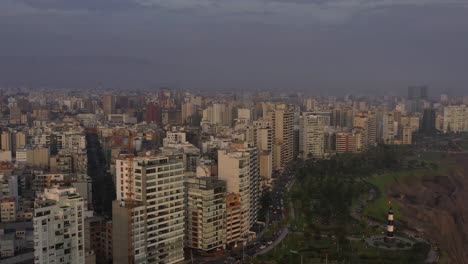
(331, 46)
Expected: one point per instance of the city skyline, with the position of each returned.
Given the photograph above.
(233, 131)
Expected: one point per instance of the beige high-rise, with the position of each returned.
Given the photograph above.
(158, 217)
(282, 118)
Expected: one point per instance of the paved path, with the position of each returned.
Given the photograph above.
(284, 233)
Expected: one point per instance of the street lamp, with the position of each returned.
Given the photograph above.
(297, 253)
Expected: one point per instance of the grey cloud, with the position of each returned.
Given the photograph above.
(294, 44)
(274, 11)
(90, 5)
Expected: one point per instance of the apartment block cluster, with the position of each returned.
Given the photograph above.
(188, 170)
(45, 192)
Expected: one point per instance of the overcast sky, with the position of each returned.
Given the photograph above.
(328, 46)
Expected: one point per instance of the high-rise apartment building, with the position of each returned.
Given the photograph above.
(6, 141)
(388, 128)
(108, 102)
(20, 140)
(266, 166)
(455, 118)
(98, 238)
(412, 121)
(218, 114)
(405, 134)
(239, 168)
(346, 142)
(263, 135)
(363, 122)
(234, 219)
(188, 109)
(59, 227)
(205, 213)
(371, 129)
(282, 118)
(157, 184)
(311, 135)
(129, 232)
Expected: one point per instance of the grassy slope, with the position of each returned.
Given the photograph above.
(378, 208)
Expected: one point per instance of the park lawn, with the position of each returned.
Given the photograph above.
(431, 156)
(311, 249)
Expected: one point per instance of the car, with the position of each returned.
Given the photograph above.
(262, 247)
(270, 242)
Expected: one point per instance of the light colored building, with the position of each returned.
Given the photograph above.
(188, 110)
(5, 155)
(263, 135)
(244, 114)
(371, 129)
(388, 128)
(455, 118)
(309, 104)
(234, 230)
(37, 157)
(406, 135)
(206, 213)
(282, 118)
(59, 227)
(239, 168)
(311, 136)
(8, 208)
(218, 114)
(174, 138)
(157, 184)
(266, 166)
(6, 141)
(412, 121)
(20, 141)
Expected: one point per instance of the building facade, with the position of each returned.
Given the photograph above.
(205, 213)
(59, 227)
(158, 188)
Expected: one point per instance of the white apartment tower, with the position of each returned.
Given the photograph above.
(455, 118)
(158, 191)
(262, 135)
(311, 135)
(59, 227)
(238, 167)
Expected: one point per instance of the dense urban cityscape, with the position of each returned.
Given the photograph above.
(173, 176)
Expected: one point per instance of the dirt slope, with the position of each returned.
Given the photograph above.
(438, 207)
